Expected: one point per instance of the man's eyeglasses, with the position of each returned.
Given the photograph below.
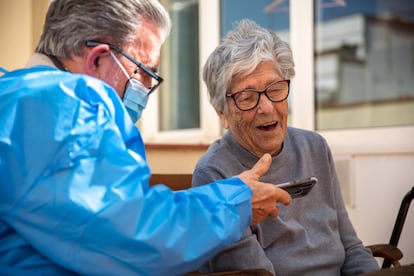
(155, 79)
(248, 99)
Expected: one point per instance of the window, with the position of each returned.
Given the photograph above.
(177, 112)
(180, 112)
(179, 99)
(270, 14)
(364, 63)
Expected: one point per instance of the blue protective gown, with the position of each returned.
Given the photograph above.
(74, 193)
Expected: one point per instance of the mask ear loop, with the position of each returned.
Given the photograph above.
(119, 64)
(122, 69)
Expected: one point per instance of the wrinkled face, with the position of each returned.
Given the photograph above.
(146, 49)
(262, 129)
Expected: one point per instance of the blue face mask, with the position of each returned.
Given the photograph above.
(135, 99)
(136, 95)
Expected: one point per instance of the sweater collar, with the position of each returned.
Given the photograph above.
(39, 59)
(43, 59)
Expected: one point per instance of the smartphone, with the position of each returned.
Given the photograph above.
(299, 188)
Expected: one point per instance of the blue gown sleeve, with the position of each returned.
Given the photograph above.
(74, 185)
(247, 253)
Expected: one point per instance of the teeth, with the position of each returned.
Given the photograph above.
(268, 124)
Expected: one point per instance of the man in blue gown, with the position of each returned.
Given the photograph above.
(74, 193)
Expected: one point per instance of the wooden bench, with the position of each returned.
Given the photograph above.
(173, 181)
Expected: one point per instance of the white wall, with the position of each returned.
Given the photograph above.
(15, 33)
(21, 25)
(380, 183)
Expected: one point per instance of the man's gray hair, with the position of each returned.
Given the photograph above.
(239, 53)
(69, 23)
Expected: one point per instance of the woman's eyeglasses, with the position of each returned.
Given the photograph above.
(248, 99)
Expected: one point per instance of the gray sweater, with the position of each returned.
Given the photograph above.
(311, 236)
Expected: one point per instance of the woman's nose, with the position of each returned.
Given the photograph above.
(265, 104)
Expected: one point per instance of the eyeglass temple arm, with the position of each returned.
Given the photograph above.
(91, 43)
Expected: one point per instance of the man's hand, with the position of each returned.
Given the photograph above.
(265, 195)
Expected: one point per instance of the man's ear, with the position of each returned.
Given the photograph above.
(223, 119)
(94, 57)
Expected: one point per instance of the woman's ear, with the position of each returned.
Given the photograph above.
(94, 60)
(223, 119)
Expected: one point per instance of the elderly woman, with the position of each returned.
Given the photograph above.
(248, 77)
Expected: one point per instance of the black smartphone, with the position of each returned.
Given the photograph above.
(299, 188)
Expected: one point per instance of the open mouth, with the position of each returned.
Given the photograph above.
(268, 126)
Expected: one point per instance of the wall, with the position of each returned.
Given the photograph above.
(380, 182)
(16, 33)
(21, 23)
(176, 159)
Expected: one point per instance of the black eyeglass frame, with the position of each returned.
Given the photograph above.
(232, 95)
(159, 79)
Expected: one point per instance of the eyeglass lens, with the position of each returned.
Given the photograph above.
(249, 98)
(145, 78)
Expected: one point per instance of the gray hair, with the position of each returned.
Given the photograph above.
(239, 53)
(69, 23)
